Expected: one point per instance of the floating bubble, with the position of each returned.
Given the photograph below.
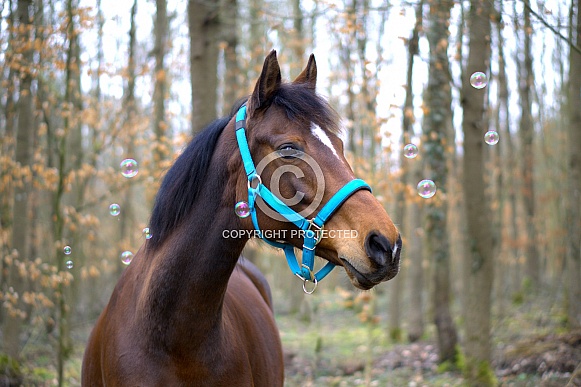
(128, 168)
(67, 250)
(242, 209)
(491, 137)
(147, 233)
(69, 264)
(114, 209)
(410, 151)
(478, 80)
(126, 257)
(426, 188)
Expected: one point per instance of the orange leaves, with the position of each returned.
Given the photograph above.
(47, 279)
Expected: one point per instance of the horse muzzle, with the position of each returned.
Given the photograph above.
(382, 262)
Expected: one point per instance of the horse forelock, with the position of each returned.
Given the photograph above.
(302, 104)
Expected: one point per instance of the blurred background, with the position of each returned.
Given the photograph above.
(480, 101)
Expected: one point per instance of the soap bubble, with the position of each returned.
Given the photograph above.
(478, 80)
(69, 264)
(491, 137)
(67, 250)
(410, 151)
(426, 188)
(128, 168)
(147, 233)
(242, 209)
(126, 257)
(114, 209)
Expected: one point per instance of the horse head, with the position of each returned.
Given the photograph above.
(293, 138)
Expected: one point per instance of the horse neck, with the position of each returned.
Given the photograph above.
(190, 272)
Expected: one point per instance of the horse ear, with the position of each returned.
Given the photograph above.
(309, 75)
(267, 85)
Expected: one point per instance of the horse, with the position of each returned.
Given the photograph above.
(188, 311)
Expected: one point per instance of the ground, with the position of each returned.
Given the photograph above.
(343, 341)
(336, 349)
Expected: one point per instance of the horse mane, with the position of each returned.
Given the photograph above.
(183, 182)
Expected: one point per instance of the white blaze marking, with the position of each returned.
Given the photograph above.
(323, 137)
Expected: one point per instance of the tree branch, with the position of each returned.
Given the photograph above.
(573, 46)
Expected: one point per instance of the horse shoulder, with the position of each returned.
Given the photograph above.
(249, 319)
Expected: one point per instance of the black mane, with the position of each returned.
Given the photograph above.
(182, 183)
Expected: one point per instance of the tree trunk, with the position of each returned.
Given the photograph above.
(127, 215)
(526, 132)
(408, 211)
(204, 26)
(574, 178)
(69, 158)
(160, 125)
(7, 142)
(257, 42)
(479, 258)
(345, 61)
(297, 43)
(414, 253)
(232, 90)
(437, 129)
(23, 157)
(507, 188)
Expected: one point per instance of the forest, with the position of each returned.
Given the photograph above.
(463, 116)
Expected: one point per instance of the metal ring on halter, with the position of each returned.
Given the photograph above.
(315, 282)
(251, 178)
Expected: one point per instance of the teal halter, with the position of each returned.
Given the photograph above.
(312, 229)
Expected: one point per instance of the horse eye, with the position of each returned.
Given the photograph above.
(288, 151)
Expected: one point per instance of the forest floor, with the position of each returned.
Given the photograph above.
(339, 341)
(335, 348)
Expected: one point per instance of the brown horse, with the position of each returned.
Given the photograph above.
(188, 311)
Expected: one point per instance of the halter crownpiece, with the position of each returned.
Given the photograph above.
(312, 228)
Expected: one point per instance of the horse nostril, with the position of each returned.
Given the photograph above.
(397, 249)
(378, 248)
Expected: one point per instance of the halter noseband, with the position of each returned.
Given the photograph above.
(312, 229)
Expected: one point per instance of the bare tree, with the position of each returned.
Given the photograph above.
(25, 134)
(230, 44)
(479, 258)
(526, 132)
(204, 26)
(437, 130)
(160, 125)
(574, 178)
(506, 187)
(410, 210)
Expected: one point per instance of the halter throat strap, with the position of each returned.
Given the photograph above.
(311, 229)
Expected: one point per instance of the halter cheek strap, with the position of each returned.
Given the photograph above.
(311, 229)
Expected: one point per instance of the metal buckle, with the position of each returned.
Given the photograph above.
(316, 229)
